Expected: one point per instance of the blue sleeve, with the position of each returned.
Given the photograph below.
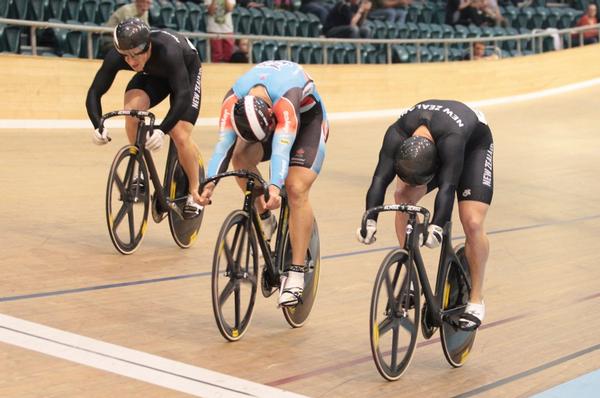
(280, 157)
(222, 154)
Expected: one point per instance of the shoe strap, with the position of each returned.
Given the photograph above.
(295, 268)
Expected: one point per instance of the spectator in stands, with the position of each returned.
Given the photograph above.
(454, 9)
(479, 52)
(249, 4)
(346, 19)
(588, 18)
(240, 55)
(138, 9)
(318, 7)
(390, 10)
(283, 5)
(219, 20)
(475, 14)
(492, 9)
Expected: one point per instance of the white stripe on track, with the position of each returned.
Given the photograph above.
(82, 124)
(134, 364)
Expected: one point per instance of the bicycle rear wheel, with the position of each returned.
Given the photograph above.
(127, 200)
(394, 317)
(234, 276)
(184, 231)
(456, 342)
(298, 315)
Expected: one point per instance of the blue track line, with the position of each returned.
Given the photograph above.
(328, 257)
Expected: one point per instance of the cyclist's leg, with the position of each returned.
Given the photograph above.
(247, 156)
(142, 93)
(477, 247)
(181, 134)
(188, 154)
(406, 194)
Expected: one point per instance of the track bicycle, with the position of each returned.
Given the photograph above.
(395, 312)
(235, 273)
(128, 199)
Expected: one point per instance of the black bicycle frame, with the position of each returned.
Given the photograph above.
(272, 259)
(145, 155)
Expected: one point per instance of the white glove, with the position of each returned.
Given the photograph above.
(434, 236)
(100, 137)
(371, 229)
(154, 142)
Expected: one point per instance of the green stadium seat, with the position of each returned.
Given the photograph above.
(167, 13)
(4, 8)
(201, 46)
(268, 27)
(256, 21)
(303, 24)
(242, 20)
(435, 31)
(279, 22)
(425, 14)
(439, 15)
(413, 12)
(424, 30)
(538, 18)
(523, 17)
(368, 54)
(510, 13)
(487, 31)
(196, 17)
(552, 18)
(392, 29)
(180, 16)
(314, 25)
(378, 29)
(73, 8)
(89, 9)
(402, 31)
(20, 9)
(105, 10)
(317, 54)
(400, 54)
(447, 31)
(257, 52)
(10, 38)
(95, 42)
(37, 10)
(291, 23)
(413, 30)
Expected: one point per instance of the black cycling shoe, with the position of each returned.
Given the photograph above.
(158, 214)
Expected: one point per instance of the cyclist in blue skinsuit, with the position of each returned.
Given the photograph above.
(274, 112)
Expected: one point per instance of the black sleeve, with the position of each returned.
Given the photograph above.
(180, 89)
(451, 151)
(384, 172)
(105, 76)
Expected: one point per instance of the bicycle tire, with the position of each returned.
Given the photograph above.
(126, 167)
(184, 231)
(456, 343)
(298, 315)
(398, 318)
(235, 264)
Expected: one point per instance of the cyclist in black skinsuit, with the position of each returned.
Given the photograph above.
(451, 148)
(167, 64)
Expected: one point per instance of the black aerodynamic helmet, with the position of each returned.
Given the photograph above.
(132, 34)
(253, 119)
(416, 160)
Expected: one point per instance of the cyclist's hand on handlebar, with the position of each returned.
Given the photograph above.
(100, 136)
(370, 233)
(274, 198)
(207, 192)
(154, 142)
(434, 236)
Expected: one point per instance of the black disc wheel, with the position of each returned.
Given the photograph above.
(127, 200)
(394, 317)
(184, 231)
(457, 343)
(298, 315)
(235, 276)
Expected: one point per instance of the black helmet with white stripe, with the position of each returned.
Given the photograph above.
(132, 35)
(253, 119)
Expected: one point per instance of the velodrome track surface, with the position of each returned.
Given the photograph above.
(59, 270)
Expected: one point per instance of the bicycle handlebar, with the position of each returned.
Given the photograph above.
(406, 208)
(142, 115)
(244, 174)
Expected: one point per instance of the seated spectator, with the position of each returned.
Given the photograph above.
(139, 9)
(588, 18)
(390, 10)
(346, 19)
(249, 4)
(219, 20)
(479, 53)
(492, 9)
(283, 5)
(475, 14)
(240, 55)
(318, 7)
(454, 9)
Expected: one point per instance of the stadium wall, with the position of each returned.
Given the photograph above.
(55, 88)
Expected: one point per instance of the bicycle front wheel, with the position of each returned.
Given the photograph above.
(298, 315)
(394, 317)
(127, 200)
(184, 231)
(234, 276)
(456, 343)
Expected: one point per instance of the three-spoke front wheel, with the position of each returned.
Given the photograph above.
(235, 276)
(127, 200)
(394, 317)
